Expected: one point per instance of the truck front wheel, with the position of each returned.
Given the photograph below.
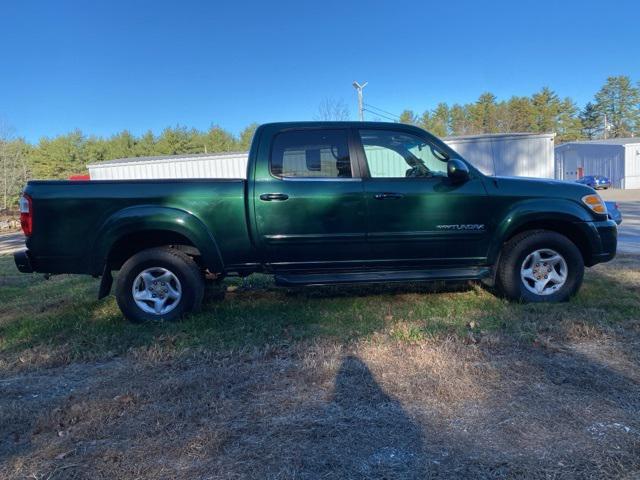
(159, 284)
(540, 266)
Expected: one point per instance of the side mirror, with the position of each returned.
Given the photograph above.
(457, 170)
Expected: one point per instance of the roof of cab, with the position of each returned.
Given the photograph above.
(335, 124)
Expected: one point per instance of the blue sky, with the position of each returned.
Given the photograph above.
(104, 66)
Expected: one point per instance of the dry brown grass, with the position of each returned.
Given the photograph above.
(324, 410)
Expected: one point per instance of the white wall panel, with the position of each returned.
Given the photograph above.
(594, 159)
(209, 166)
(632, 166)
(508, 155)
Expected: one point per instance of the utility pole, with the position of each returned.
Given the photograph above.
(359, 88)
(606, 126)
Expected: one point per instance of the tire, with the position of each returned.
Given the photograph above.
(559, 270)
(167, 274)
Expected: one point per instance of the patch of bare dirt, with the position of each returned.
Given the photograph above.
(375, 409)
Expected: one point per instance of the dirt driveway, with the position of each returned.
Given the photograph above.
(11, 242)
(629, 231)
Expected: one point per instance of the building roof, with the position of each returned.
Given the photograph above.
(608, 141)
(500, 136)
(168, 158)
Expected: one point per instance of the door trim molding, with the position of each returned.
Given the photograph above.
(313, 238)
(426, 235)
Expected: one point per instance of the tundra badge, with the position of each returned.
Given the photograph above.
(465, 226)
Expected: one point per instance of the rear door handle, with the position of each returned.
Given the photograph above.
(269, 197)
(385, 195)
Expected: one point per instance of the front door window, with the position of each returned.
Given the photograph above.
(401, 155)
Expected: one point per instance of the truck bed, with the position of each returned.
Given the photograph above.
(71, 216)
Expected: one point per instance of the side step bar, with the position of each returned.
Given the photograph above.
(298, 279)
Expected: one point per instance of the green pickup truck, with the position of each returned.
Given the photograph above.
(322, 203)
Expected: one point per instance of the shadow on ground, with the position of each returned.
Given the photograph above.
(389, 412)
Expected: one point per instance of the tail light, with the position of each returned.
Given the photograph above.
(26, 214)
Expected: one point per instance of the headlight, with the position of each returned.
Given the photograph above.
(595, 203)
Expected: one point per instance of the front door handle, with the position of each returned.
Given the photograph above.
(278, 197)
(385, 195)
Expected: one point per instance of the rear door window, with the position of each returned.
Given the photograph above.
(311, 154)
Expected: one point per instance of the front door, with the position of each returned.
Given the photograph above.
(310, 207)
(416, 214)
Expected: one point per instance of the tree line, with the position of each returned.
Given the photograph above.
(68, 154)
(614, 112)
(618, 101)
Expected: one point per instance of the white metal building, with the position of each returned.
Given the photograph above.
(509, 154)
(616, 158)
(220, 165)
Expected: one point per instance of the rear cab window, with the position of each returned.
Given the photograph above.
(311, 154)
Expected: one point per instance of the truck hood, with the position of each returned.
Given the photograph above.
(541, 187)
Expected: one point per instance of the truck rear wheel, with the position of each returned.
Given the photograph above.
(159, 284)
(540, 266)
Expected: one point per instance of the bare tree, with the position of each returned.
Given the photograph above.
(13, 166)
(332, 109)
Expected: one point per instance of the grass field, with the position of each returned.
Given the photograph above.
(400, 381)
(61, 320)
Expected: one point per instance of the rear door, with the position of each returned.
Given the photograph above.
(309, 201)
(416, 215)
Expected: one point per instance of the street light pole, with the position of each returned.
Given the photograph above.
(359, 88)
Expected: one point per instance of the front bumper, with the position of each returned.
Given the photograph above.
(603, 238)
(23, 261)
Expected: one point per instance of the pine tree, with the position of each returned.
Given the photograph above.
(440, 120)
(568, 125)
(484, 114)
(178, 140)
(219, 140)
(519, 115)
(546, 107)
(244, 142)
(619, 100)
(591, 121)
(121, 145)
(425, 120)
(408, 117)
(146, 145)
(459, 120)
(95, 150)
(58, 157)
